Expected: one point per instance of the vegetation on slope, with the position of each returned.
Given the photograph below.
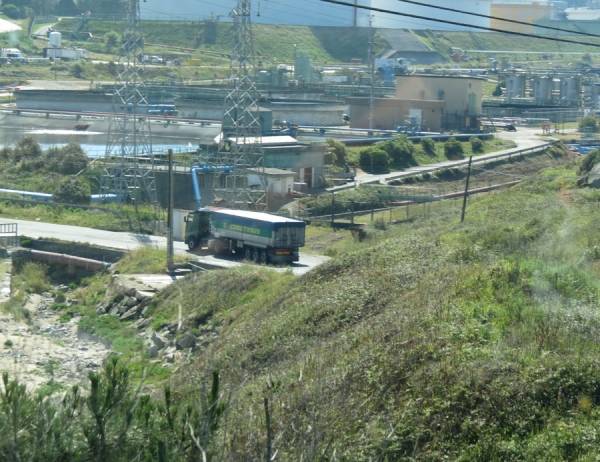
(427, 340)
(433, 339)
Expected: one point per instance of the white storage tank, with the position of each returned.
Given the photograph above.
(570, 91)
(515, 87)
(55, 39)
(542, 90)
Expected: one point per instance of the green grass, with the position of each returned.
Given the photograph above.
(147, 260)
(430, 339)
(109, 217)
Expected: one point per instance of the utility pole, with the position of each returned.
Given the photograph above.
(464, 207)
(372, 71)
(170, 250)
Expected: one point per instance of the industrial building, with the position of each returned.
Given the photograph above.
(431, 102)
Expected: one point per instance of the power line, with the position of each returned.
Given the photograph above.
(457, 23)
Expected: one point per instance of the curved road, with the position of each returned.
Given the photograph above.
(524, 138)
(129, 241)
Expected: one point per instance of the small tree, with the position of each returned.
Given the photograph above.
(428, 145)
(71, 159)
(27, 148)
(498, 90)
(400, 150)
(77, 70)
(588, 124)
(111, 40)
(588, 162)
(73, 191)
(453, 148)
(476, 144)
(337, 150)
(11, 11)
(374, 157)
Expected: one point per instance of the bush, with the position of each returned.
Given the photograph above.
(428, 146)
(8, 343)
(476, 144)
(374, 157)
(399, 150)
(111, 40)
(588, 124)
(337, 151)
(588, 162)
(453, 149)
(11, 11)
(27, 149)
(73, 191)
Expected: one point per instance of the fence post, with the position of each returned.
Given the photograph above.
(332, 208)
(372, 209)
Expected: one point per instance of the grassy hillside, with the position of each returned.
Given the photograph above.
(327, 44)
(443, 42)
(430, 339)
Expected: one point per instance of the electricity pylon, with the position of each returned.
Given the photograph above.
(241, 145)
(129, 159)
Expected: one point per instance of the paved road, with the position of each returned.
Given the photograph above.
(129, 241)
(524, 138)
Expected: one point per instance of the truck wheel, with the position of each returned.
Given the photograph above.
(247, 253)
(191, 243)
(264, 258)
(256, 255)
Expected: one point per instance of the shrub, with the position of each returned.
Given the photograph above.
(399, 150)
(11, 11)
(374, 157)
(73, 191)
(337, 150)
(8, 343)
(588, 124)
(588, 162)
(476, 144)
(428, 146)
(453, 148)
(27, 148)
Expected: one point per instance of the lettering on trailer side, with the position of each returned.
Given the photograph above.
(244, 229)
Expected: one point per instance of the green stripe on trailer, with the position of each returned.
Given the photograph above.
(253, 231)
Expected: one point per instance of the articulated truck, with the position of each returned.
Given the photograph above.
(256, 236)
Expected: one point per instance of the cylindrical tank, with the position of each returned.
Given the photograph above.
(302, 68)
(570, 91)
(55, 39)
(592, 95)
(542, 90)
(515, 86)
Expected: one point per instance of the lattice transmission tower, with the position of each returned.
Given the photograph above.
(129, 161)
(241, 145)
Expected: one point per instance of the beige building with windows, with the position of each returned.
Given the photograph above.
(424, 102)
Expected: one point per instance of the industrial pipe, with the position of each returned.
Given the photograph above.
(204, 169)
(63, 259)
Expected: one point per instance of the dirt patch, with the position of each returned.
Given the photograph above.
(45, 348)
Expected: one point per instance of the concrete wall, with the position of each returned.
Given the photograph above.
(303, 113)
(454, 91)
(78, 250)
(200, 109)
(307, 113)
(48, 100)
(388, 114)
